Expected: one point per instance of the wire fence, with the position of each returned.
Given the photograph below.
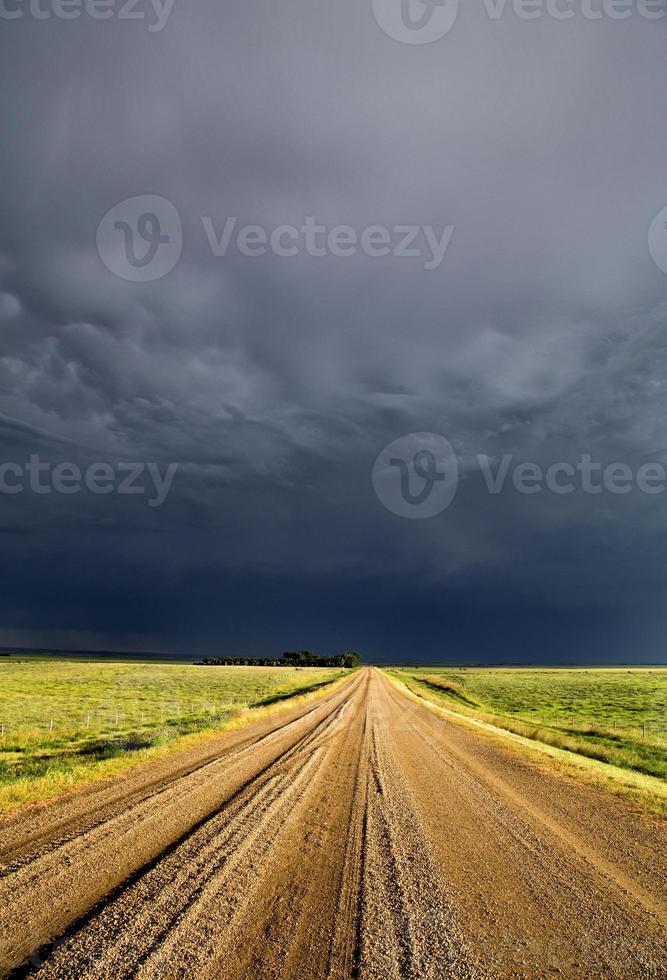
(109, 717)
(580, 725)
(104, 713)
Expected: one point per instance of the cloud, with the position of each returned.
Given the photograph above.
(10, 306)
(275, 382)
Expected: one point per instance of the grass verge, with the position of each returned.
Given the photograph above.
(547, 749)
(37, 768)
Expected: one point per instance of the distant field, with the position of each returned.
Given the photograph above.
(62, 721)
(616, 715)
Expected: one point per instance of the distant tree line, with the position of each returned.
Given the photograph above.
(291, 658)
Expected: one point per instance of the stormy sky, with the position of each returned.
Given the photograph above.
(274, 381)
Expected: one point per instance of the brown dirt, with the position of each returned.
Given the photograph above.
(359, 836)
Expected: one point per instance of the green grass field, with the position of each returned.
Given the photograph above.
(66, 721)
(615, 715)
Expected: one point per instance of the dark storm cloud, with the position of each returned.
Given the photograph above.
(275, 382)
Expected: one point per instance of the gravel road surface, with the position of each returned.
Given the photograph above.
(356, 836)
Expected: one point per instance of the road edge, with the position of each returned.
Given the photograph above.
(648, 792)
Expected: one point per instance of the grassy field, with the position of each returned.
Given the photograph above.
(66, 721)
(615, 715)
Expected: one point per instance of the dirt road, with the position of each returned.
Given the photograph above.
(359, 836)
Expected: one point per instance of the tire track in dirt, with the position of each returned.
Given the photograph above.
(41, 827)
(193, 914)
(71, 877)
(405, 900)
(359, 838)
(543, 894)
